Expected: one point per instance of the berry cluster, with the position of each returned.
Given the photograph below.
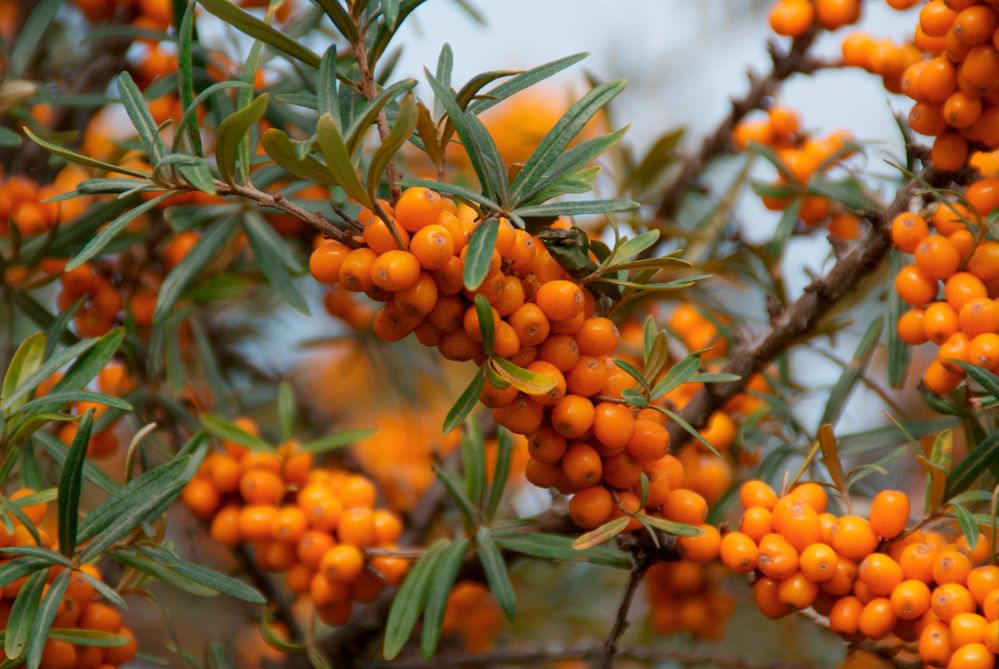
(794, 18)
(801, 158)
(80, 608)
(22, 202)
(685, 597)
(952, 260)
(870, 577)
(318, 525)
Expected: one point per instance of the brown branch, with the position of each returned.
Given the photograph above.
(794, 60)
(796, 321)
(537, 656)
(621, 620)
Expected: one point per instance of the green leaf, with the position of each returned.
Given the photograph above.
(360, 126)
(198, 173)
(847, 192)
(601, 535)
(974, 465)
(111, 230)
(576, 208)
(848, 378)
(465, 506)
(43, 620)
(687, 427)
(558, 138)
(160, 572)
(441, 582)
(496, 573)
(231, 133)
(402, 129)
(670, 526)
(501, 472)
(71, 485)
(966, 521)
(116, 516)
(898, 351)
(25, 362)
(22, 615)
(445, 66)
(558, 547)
(680, 373)
(185, 77)
(269, 250)
(337, 440)
(523, 80)
(484, 311)
(90, 362)
(338, 161)
(286, 409)
(29, 36)
(254, 27)
(142, 119)
(59, 452)
(203, 575)
(191, 109)
(44, 371)
(21, 567)
(205, 251)
(222, 429)
(576, 159)
(82, 637)
(983, 377)
(282, 151)
(481, 245)
(80, 159)
(326, 95)
(785, 228)
(465, 403)
(411, 600)
(9, 138)
(631, 248)
(522, 379)
(340, 18)
(473, 461)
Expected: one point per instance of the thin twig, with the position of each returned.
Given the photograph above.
(621, 620)
(799, 319)
(792, 61)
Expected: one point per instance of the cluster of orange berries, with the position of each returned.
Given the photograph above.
(473, 616)
(951, 254)
(22, 202)
(794, 18)
(867, 575)
(318, 525)
(956, 83)
(802, 157)
(80, 607)
(685, 597)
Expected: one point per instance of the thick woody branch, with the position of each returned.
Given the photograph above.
(798, 320)
(794, 60)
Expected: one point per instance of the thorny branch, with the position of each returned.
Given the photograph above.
(790, 325)
(794, 60)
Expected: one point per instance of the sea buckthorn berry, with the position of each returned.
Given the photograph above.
(979, 316)
(939, 379)
(934, 645)
(981, 581)
(582, 465)
(937, 257)
(560, 300)
(801, 527)
(880, 573)
(910, 327)
(756, 523)
(936, 18)
(621, 471)
(702, 548)
(812, 494)
(560, 350)
(877, 620)
(685, 506)
(954, 349)
(984, 261)
(418, 207)
(777, 558)
(342, 563)
(649, 441)
(395, 270)
(967, 628)
(357, 527)
(991, 639)
(910, 599)
(355, 269)
(261, 486)
(972, 656)
(990, 607)
(738, 552)
(915, 286)
(844, 579)
(818, 562)
(984, 351)
(200, 497)
(951, 567)
(853, 537)
(961, 110)
(797, 591)
(767, 600)
(433, 246)
(889, 513)
(312, 546)
(844, 618)
(591, 507)
(613, 426)
(792, 18)
(950, 599)
(289, 525)
(530, 324)
(325, 262)
(949, 152)
(757, 493)
(908, 230)
(572, 416)
(963, 287)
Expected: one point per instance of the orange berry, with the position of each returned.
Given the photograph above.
(972, 656)
(880, 573)
(572, 416)
(342, 563)
(937, 257)
(982, 581)
(934, 644)
(418, 207)
(950, 599)
(797, 591)
(818, 562)
(591, 507)
(289, 525)
(910, 327)
(951, 567)
(908, 230)
(765, 594)
(395, 270)
(560, 300)
(844, 618)
(433, 246)
(756, 523)
(777, 558)
(889, 513)
(582, 465)
(200, 497)
(877, 620)
(979, 316)
(738, 552)
(685, 506)
(325, 262)
(915, 286)
(757, 493)
(853, 537)
(792, 18)
(703, 548)
(910, 599)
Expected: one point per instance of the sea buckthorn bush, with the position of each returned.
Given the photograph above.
(311, 363)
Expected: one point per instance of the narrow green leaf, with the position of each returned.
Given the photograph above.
(360, 125)
(203, 575)
(464, 404)
(974, 465)
(487, 326)
(269, 249)
(402, 129)
(340, 18)
(481, 246)
(522, 379)
(558, 547)
(25, 362)
(111, 230)
(576, 208)
(254, 27)
(601, 535)
(337, 440)
(80, 159)
(282, 151)
(680, 373)
(43, 620)
(445, 66)
(222, 429)
(465, 505)
(848, 378)
(205, 251)
(501, 472)
(30, 35)
(185, 76)
(142, 119)
(22, 615)
(411, 600)
(671, 527)
(523, 80)
(441, 582)
(231, 133)
(496, 573)
(83, 637)
(71, 485)
(898, 351)
(337, 157)
(966, 521)
(326, 95)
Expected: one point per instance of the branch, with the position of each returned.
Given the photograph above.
(794, 60)
(796, 321)
(538, 656)
(621, 620)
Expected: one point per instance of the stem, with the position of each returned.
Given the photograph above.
(621, 621)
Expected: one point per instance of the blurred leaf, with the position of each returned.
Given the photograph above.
(983, 377)
(830, 458)
(848, 379)
(22, 615)
(523, 80)
(576, 208)
(86, 637)
(465, 506)
(660, 155)
(340, 18)
(974, 465)
(80, 159)
(43, 620)
(670, 526)
(411, 599)
(360, 126)
(601, 535)
(270, 251)
(203, 575)
(71, 485)
(111, 230)
(25, 362)
(441, 582)
(898, 351)
(205, 251)
(29, 36)
(254, 27)
(222, 429)
(966, 521)
(496, 573)
(231, 133)
(501, 472)
(337, 440)
(557, 547)
(847, 192)
(401, 130)
(785, 228)
(676, 376)
(473, 461)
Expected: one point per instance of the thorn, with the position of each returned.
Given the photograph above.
(277, 197)
(774, 307)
